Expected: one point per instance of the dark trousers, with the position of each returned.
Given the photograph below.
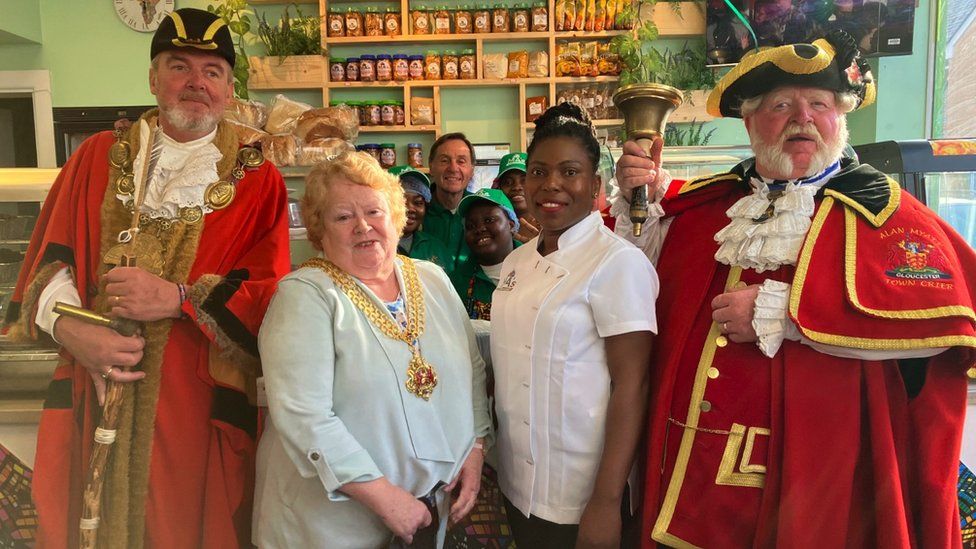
(533, 532)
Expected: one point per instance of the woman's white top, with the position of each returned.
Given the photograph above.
(550, 316)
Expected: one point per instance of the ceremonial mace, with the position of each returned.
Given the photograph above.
(645, 108)
(114, 394)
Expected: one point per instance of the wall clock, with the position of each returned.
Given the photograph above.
(143, 15)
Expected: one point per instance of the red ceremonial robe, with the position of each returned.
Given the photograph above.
(200, 474)
(807, 449)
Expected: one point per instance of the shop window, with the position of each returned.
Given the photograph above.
(954, 103)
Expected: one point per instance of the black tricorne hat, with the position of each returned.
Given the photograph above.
(832, 63)
(193, 28)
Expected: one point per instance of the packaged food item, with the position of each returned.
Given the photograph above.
(467, 69)
(247, 112)
(463, 23)
(432, 65)
(518, 64)
(374, 113)
(401, 67)
(388, 155)
(500, 21)
(611, 14)
(386, 113)
(415, 66)
(384, 67)
(559, 14)
(420, 22)
(538, 64)
(601, 15)
(588, 59)
(562, 96)
(599, 103)
(280, 149)
(540, 17)
(320, 150)
(373, 22)
(568, 59)
(415, 155)
(520, 18)
(482, 19)
(391, 22)
(283, 114)
(352, 69)
(442, 21)
(336, 24)
(590, 19)
(340, 121)
(621, 6)
(609, 107)
(450, 65)
(399, 117)
(372, 148)
(421, 111)
(495, 66)
(354, 23)
(580, 22)
(337, 69)
(367, 67)
(246, 135)
(535, 106)
(587, 102)
(360, 107)
(608, 61)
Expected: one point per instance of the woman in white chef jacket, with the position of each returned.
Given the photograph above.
(572, 325)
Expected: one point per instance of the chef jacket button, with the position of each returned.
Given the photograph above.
(314, 456)
(530, 462)
(721, 341)
(712, 372)
(526, 385)
(705, 406)
(525, 421)
(527, 346)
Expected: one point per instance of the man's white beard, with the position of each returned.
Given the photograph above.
(185, 122)
(773, 159)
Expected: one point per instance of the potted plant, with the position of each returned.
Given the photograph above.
(237, 17)
(294, 56)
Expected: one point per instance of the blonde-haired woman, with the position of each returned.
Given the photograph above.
(374, 382)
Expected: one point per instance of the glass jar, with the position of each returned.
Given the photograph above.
(336, 24)
(399, 115)
(419, 21)
(540, 17)
(499, 19)
(373, 22)
(449, 62)
(387, 155)
(337, 69)
(360, 107)
(372, 148)
(386, 113)
(463, 20)
(432, 65)
(374, 113)
(367, 67)
(467, 67)
(415, 155)
(352, 69)
(482, 19)
(354, 23)
(384, 67)
(401, 67)
(415, 66)
(442, 21)
(391, 22)
(520, 18)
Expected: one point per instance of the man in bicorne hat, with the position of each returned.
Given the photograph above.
(204, 221)
(809, 381)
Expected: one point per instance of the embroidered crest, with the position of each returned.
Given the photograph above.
(915, 257)
(508, 284)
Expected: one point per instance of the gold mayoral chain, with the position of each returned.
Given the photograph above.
(421, 376)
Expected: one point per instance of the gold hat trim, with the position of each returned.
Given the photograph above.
(213, 28)
(178, 23)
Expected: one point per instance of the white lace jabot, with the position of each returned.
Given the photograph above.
(182, 174)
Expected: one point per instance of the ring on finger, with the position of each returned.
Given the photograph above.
(725, 326)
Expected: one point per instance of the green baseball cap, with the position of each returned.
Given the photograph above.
(495, 196)
(509, 162)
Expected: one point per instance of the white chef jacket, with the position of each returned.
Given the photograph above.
(552, 383)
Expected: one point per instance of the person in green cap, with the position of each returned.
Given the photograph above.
(490, 224)
(511, 181)
(415, 243)
(451, 169)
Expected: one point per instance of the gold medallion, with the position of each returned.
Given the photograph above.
(147, 250)
(125, 184)
(237, 173)
(421, 377)
(192, 215)
(219, 195)
(118, 154)
(250, 157)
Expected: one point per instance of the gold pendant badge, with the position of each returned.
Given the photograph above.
(421, 377)
(219, 195)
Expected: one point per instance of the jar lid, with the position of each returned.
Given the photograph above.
(433, 52)
(450, 52)
(384, 102)
(337, 60)
(539, 5)
(352, 60)
(371, 9)
(396, 103)
(442, 8)
(371, 145)
(383, 56)
(350, 10)
(467, 51)
(367, 57)
(392, 10)
(483, 7)
(336, 103)
(414, 145)
(388, 145)
(416, 57)
(400, 56)
(354, 103)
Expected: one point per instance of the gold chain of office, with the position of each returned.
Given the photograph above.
(421, 376)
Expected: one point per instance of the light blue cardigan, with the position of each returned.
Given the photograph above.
(340, 412)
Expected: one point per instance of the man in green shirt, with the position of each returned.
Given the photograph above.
(451, 168)
(414, 243)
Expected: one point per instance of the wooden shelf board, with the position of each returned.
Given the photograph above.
(425, 38)
(601, 123)
(441, 83)
(399, 129)
(566, 35)
(584, 79)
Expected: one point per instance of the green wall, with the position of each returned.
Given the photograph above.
(95, 60)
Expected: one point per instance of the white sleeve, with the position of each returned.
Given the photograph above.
(622, 294)
(772, 325)
(655, 228)
(60, 288)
